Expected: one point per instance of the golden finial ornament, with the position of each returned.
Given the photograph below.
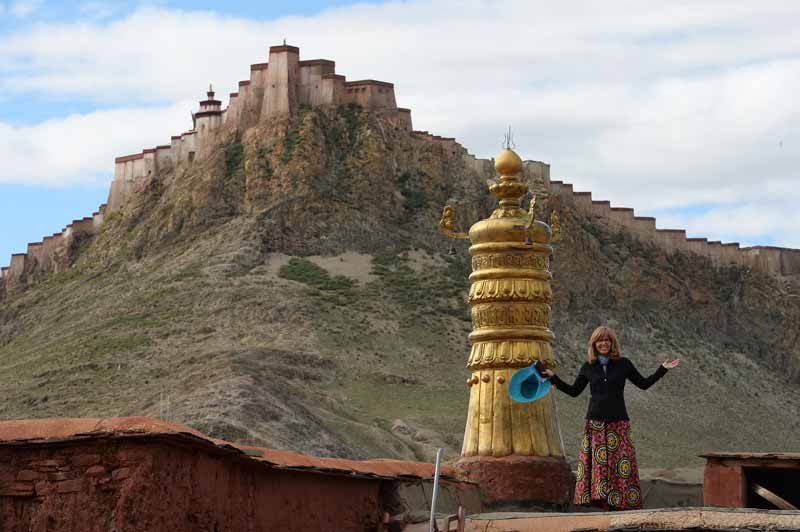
(555, 226)
(447, 225)
(510, 298)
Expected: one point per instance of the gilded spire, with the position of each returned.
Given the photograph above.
(510, 189)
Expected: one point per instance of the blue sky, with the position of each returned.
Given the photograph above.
(686, 111)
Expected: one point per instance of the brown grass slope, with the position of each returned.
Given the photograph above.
(291, 291)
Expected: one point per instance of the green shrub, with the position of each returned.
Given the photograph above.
(306, 272)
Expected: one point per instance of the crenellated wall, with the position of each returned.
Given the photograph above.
(51, 255)
(768, 259)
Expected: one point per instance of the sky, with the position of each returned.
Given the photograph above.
(683, 110)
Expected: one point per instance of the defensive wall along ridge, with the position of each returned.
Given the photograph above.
(279, 88)
(768, 259)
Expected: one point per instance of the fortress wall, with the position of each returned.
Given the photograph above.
(16, 277)
(536, 172)
(84, 225)
(730, 253)
(98, 218)
(582, 201)
(311, 91)
(698, 246)
(762, 258)
(50, 245)
(620, 217)
(671, 240)
(714, 252)
(370, 94)
(404, 118)
(165, 161)
(188, 147)
(790, 261)
(283, 79)
(247, 118)
(644, 228)
(332, 89)
(37, 257)
(126, 170)
(206, 124)
(232, 112)
(259, 85)
(556, 190)
(601, 211)
(479, 166)
(765, 258)
(17, 266)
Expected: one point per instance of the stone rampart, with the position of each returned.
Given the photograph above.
(51, 255)
(768, 259)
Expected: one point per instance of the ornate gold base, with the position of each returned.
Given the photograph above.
(519, 479)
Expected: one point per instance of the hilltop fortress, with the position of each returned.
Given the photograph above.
(285, 84)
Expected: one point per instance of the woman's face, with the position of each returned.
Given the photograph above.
(603, 345)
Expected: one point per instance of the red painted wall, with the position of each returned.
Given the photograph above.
(157, 484)
(724, 486)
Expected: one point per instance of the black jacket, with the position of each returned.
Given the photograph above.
(607, 387)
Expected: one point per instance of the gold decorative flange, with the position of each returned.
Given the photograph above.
(447, 225)
(510, 315)
(487, 290)
(510, 354)
(527, 261)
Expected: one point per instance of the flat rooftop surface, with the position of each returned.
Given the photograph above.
(696, 519)
(58, 430)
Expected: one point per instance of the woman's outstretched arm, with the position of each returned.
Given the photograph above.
(644, 382)
(573, 390)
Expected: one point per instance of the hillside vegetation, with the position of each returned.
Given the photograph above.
(291, 291)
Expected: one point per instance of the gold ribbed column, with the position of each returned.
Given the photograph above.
(510, 447)
(510, 296)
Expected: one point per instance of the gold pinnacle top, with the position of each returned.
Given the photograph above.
(508, 163)
(510, 189)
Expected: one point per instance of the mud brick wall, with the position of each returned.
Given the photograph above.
(159, 484)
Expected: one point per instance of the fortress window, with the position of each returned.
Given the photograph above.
(191, 157)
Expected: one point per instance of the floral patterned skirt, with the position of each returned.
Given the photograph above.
(607, 473)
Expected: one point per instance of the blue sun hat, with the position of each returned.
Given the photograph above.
(527, 385)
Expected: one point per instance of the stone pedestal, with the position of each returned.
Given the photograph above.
(518, 479)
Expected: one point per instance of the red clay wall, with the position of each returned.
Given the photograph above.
(724, 486)
(154, 485)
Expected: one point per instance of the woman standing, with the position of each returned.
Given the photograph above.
(607, 473)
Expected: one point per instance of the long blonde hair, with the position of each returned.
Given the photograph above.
(603, 332)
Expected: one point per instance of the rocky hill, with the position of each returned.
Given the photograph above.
(290, 290)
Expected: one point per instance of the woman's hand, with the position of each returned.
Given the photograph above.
(669, 364)
(547, 373)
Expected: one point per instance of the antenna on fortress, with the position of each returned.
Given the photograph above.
(508, 140)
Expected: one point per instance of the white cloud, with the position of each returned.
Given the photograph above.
(25, 8)
(81, 148)
(649, 104)
(97, 10)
